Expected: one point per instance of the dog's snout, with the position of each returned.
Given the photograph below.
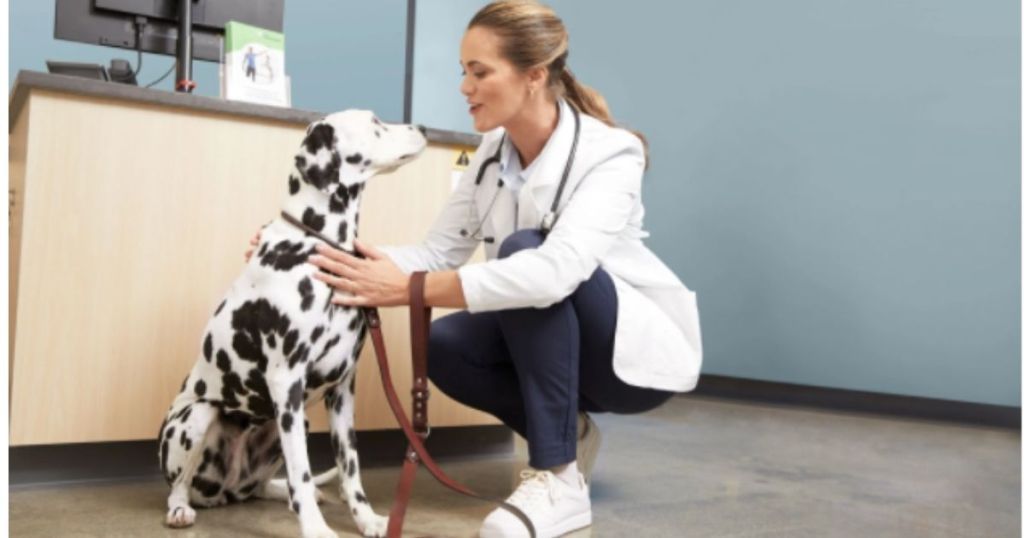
(422, 129)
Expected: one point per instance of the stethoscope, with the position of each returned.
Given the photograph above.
(548, 221)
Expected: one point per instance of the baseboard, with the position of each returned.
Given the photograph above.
(40, 465)
(859, 401)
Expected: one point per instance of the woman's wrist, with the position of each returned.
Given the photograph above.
(443, 289)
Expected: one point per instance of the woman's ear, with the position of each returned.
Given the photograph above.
(537, 78)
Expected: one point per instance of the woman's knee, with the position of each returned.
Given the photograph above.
(521, 240)
(443, 349)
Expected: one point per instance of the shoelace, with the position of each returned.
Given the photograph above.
(535, 485)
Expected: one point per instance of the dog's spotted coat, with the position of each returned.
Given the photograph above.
(276, 342)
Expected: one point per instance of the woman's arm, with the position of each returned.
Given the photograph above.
(377, 281)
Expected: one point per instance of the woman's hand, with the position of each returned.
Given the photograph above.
(375, 281)
(254, 242)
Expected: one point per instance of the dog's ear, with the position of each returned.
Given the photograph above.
(318, 160)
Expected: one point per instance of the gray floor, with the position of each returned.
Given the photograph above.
(697, 467)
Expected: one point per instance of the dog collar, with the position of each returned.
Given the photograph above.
(298, 224)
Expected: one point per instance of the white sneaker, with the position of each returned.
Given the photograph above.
(554, 507)
(587, 444)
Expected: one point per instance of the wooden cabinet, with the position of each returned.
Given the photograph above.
(128, 221)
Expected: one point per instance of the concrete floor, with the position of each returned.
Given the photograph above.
(697, 467)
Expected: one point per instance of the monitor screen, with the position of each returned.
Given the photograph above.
(112, 23)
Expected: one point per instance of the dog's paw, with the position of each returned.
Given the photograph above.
(181, 516)
(374, 526)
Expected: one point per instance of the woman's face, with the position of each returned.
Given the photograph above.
(495, 90)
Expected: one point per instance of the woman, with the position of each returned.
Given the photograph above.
(581, 319)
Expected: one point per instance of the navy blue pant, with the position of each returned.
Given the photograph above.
(533, 368)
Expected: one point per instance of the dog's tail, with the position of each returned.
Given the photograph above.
(325, 476)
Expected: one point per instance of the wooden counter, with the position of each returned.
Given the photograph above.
(130, 213)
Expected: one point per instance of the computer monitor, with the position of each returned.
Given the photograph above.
(154, 25)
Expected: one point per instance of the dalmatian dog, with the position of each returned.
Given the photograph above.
(276, 342)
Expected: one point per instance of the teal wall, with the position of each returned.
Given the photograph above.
(838, 181)
(338, 54)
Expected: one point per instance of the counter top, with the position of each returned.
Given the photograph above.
(27, 80)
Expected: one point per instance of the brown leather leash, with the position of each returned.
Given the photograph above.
(419, 430)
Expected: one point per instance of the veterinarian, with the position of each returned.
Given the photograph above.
(582, 318)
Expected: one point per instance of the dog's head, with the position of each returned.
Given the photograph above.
(347, 148)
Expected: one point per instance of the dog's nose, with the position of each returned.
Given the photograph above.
(422, 129)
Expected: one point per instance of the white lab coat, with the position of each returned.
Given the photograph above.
(657, 335)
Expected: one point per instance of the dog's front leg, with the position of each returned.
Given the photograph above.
(340, 404)
(289, 404)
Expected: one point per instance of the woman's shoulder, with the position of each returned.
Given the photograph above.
(605, 142)
(614, 138)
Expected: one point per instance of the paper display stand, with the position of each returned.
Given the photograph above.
(253, 68)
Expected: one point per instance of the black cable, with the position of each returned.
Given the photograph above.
(140, 23)
(157, 81)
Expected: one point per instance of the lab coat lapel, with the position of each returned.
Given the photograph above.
(501, 220)
(539, 191)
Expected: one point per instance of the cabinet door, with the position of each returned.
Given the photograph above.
(129, 235)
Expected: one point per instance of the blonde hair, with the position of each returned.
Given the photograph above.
(532, 35)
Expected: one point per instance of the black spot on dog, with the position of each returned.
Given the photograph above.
(336, 374)
(263, 250)
(200, 388)
(220, 306)
(351, 468)
(343, 231)
(259, 401)
(169, 433)
(354, 324)
(352, 438)
(338, 202)
(231, 385)
(208, 345)
(317, 331)
(319, 136)
(251, 320)
(377, 134)
(300, 355)
(289, 341)
(313, 219)
(355, 158)
(360, 498)
(320, 176)
(286, 421)
(271, 340)
(286, 255)
(295, 507)
(205, 487)
(223, 362)
(230, 497)
(306, 291)
(185, 441)
(327, 347)
(293, 184)
(295, 396)
(305, 476)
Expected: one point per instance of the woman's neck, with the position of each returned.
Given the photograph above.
(531, 129)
